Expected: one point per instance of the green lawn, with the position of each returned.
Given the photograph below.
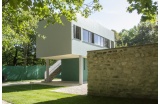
(42, 94)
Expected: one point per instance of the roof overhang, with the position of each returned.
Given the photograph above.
(67, 56)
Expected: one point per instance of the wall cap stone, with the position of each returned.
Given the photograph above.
(154, 44)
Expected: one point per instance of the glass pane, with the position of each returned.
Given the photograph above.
(97, 39)
(78, 32)
(90, 37)
(102, 42)
(85, 36)
(105, 42)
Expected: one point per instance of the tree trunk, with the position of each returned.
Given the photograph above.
(15, 57)
(25, 55)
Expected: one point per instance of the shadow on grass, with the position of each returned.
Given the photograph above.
(26, 87)
(84, 99)
(79, 99)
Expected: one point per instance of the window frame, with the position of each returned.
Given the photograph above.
(76, 32)
(97, 39)
(102, 41)
(87, 33)
(91, 38)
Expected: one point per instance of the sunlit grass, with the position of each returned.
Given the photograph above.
(43, 94)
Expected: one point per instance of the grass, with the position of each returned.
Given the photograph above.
(42, 94)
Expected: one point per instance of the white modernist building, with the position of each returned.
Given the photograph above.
(73, 40)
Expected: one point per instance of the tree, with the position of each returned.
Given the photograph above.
(144, 33)
(19, 23)
(147, 34)
(16, 26)
(22, 54)
(20, 17)
(147, 8)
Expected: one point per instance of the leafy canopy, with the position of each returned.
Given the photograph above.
(144, 33)
(20, 17)
(148, 9)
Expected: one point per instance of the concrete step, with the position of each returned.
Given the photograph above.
(53, 75)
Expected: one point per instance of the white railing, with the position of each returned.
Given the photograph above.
(52, 68)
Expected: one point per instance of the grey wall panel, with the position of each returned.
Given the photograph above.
(57, 42)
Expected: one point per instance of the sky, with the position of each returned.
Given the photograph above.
(114, 15)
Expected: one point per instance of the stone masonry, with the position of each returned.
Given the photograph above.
(124, 72)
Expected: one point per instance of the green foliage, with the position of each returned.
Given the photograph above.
(20, 17)
(19, 23)
(147, 8)
(144, 33)
(22, 54)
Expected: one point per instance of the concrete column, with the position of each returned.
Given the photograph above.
(47, 70)
(80, 69)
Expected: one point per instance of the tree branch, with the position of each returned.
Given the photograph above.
(4, 3)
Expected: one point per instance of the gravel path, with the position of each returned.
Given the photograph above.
(78, 90)
(4, 102)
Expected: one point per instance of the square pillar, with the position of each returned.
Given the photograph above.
(47, 70)
(80, 69)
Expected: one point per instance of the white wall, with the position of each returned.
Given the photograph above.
(80, 47)
(60, 39)
(94, 27)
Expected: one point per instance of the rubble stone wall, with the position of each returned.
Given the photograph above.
(124, 72)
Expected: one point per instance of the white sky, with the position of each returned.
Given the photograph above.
(114, 15)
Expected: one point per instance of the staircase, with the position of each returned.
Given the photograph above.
(53, 71)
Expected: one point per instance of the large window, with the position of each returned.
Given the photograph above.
(102, 41)
(77, 32)
(88, 36)
(95, 39)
